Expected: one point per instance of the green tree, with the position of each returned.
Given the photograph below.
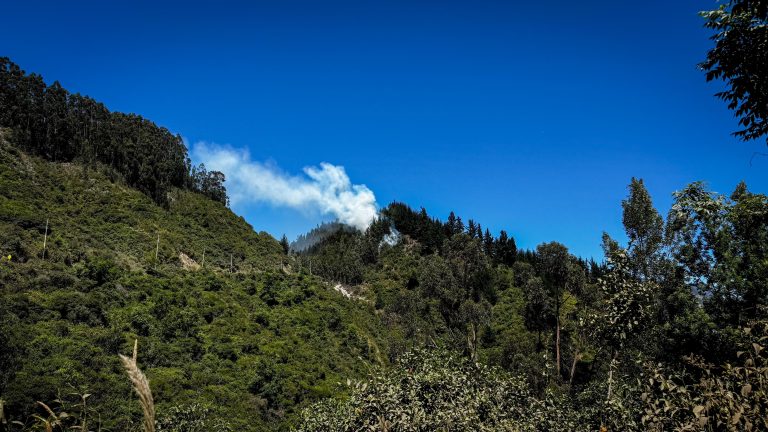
(488, 245)
(644, 228)
(556, 270)
(739, 58)
(505, 249)
(720, 243)
(538, 309)
(285, 244)
(626, 306)
(437, 282)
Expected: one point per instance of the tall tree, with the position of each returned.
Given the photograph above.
(450, 225)
(471, 229)
(644, 227)
(553, 260)
(488, 244)
(626, 305)
(506, 249)
(285, 244)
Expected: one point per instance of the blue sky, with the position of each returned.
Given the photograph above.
(526, 116)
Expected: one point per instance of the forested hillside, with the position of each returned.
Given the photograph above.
(668, 333)
(112, 242)
(249, 343)
(49, 121)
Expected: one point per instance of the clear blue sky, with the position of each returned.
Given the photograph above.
(526, 116)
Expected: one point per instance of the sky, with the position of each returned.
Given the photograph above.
(526, 116)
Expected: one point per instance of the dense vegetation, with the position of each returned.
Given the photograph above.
(581, 338)
(247, 343)
(109, 235)
(49, 121)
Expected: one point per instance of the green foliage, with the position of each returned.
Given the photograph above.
(436, 390)
(720, 242)
(190, 418)
(237, 334)
(738, 57)
(726, 397)
(645, 229)
(50, 122)
(250, 347)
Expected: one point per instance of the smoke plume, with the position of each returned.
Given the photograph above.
(326, 189)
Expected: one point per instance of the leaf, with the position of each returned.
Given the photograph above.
(47, 408)
(746, 389)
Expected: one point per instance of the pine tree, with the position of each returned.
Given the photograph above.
(488, 244)
(505, 249)
(450, 225)
(471, 229)
(284, 243)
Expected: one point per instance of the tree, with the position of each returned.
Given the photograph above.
(285, 244)
(626, 305)
(488, 244)
(471, 229)
(740, 58)
(450, 225)
(644, 228)
(720, 245)
(538, 310)
(469, 265)
(437, 282)
(553, 267)
(505, 249)
(474, 315)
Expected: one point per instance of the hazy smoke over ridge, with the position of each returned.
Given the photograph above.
(326, 189)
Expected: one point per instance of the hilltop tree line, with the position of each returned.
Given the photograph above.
(49, 121)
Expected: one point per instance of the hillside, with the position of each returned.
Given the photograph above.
(251, 346)
(109, 236)
(88, 211)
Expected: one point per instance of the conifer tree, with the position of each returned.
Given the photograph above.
(285, 244)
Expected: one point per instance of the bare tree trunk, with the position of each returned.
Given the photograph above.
(557, 343)
(472, 342)
(576, 358)
(610, 374)
(45, 238)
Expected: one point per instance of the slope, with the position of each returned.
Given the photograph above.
(244, 346)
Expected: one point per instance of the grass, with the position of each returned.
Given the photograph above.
(140, 385)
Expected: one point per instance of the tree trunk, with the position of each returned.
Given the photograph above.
(576, 358)
(472, 342)
(610, 374)
(557, 342)
(538, 341)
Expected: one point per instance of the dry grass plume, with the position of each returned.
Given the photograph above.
(141, 386)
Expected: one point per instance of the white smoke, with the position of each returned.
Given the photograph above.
(326, 189)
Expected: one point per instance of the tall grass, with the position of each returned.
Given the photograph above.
(141, 386)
